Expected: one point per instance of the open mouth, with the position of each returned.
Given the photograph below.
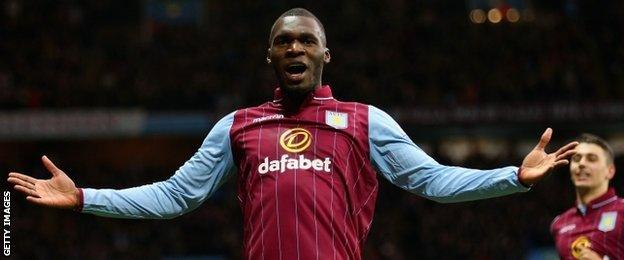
(295, 71)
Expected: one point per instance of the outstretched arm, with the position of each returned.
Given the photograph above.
(193, 183)
(404, 164)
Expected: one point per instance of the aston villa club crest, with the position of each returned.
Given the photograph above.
(336, 119)
(607, 221)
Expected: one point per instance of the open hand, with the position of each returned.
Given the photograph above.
(57, 192)
(537, 164)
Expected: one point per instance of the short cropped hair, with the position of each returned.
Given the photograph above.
(594, 139)
(298, 11)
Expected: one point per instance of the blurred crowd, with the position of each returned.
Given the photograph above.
(59, 54)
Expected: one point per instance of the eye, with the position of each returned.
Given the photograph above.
(308, 41)
(592, 157)
(280, 41)
(576, 157)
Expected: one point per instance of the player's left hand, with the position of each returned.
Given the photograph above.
(588, 254)
(537, 164)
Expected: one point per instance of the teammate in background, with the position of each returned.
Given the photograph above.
(307, 164)
(594, 228)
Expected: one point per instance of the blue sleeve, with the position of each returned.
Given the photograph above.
(191, 184)
(404, 164)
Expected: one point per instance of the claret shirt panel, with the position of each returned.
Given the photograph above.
(306, 186)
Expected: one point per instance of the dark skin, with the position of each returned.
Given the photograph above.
(298, 53)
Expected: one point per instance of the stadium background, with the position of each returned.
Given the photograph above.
(121, 93)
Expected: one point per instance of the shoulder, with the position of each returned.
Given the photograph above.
(225, 121)
(268, 110)
(255, 109)
(359, 111)
(221, 127)
(376, 110)
(619, 205)
(560, 219)
(382, 122)
(350, 106)
(563, 222)
(378, 115)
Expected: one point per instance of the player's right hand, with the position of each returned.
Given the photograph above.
(537, 164)
(57, 192)
(588, 254)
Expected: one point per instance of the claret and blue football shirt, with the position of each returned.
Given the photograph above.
(598, 225)
(307, 179)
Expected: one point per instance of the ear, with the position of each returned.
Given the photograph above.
(611, 171)
(268, 57)
(327, 57)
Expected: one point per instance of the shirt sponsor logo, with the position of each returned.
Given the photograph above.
(607, 221)
(567, 228)
(287, 163)
(260, 119)
(295, 140)
(336, 119)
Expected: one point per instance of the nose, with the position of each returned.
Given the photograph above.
(581, 162)
(295, 49)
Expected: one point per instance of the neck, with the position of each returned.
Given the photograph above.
(586, 195)
(292, 103)
(293, 99)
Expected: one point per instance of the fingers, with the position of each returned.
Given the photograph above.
(28, 192)
(36, 200)
(20, 182)
(544, 139)
(50, 166)
(566, 148)
(587, 253)
(22, 177)
(565, 155)
(560, 163)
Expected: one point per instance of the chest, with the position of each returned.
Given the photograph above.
(322, 138)
(602, 230)
(316, 156)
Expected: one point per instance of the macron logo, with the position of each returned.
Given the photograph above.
(286, 163)
(567, 228)
(260, 119)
